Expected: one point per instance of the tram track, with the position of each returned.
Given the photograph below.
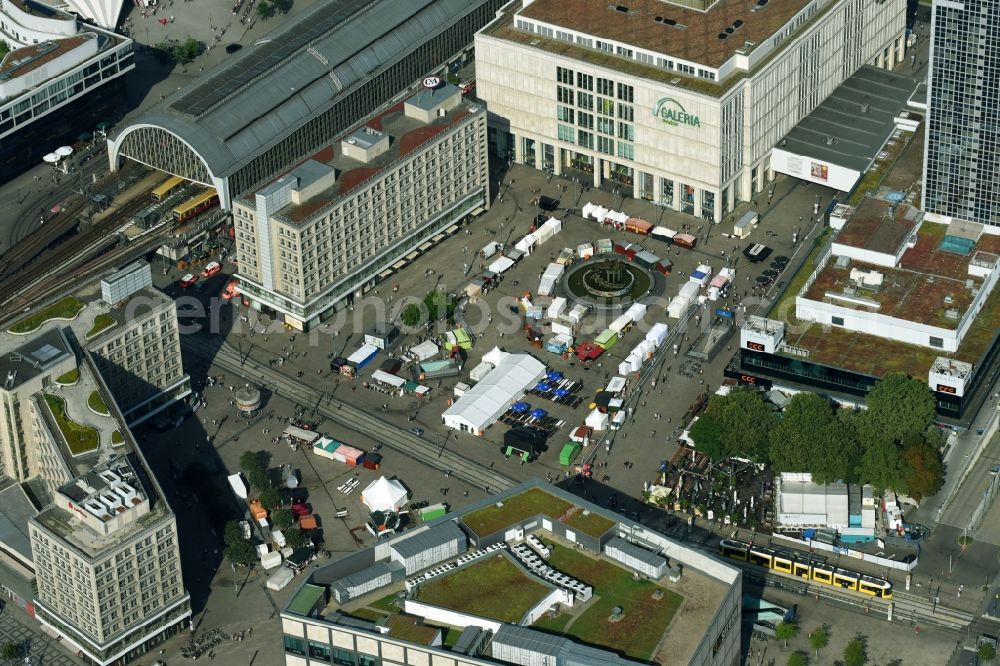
(391, 436)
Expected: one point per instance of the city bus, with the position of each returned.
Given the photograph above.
(195, 205)
(167, 187)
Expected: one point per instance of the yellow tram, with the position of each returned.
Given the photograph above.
(807, 567)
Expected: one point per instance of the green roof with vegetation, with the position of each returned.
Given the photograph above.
(645, 619)
(69, 378)
(409, 628)
(116, 437)
(101, 322)
(306, 599)
(67, 308)
(96, 403)
(80, 438)
(531, 502)
(493, 587)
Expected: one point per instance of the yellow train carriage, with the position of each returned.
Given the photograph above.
(814, 569)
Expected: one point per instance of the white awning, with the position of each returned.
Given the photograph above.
(424, 350)
(386, 378)
(500, 265)
(301, 433)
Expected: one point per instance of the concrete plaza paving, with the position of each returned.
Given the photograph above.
(193, 460)
(17, 628)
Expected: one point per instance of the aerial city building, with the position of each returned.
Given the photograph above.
(678, 103)
(314, 78)
(494, 574)
(89, 542)
(60, 81)
(962, 154)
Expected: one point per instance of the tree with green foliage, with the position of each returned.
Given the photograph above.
(281, 518)
(188, 50)
(819, 639)
(792, 443)
(786, 631)
(265, 9)
(746, 422)
(10, 652)
(4, 48)
(238, 550)
(411, 315)
(798, 659)
(897, 406)
(439, 305)
(254, 465)
(987, 652)
(856, 653)
(880, 464)
(270, 498)
(282, 6)
(254, 460)
(924, 469)
(708, 436)
(296, 538)
(835, 452)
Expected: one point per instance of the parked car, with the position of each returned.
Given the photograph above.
(188, 280)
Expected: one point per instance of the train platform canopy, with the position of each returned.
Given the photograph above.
(254, 100)
(840, 140)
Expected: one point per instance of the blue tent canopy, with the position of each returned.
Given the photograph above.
(553, 375)
(520, 407)
(538, 413)
(561, 393)
(543, 386)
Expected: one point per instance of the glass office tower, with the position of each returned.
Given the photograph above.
(961, 160)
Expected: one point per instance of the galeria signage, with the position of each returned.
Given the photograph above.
(670, 111)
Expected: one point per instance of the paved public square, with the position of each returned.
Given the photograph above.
(194, 459)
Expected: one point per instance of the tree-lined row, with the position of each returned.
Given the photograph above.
(892, 444)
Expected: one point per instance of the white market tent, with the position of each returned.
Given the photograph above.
(362, 354)
(392, 380)
(597, 420)
(657, 334)
(618, 217)
(424, 350)
(596, 212)
(485, 402)
(500, 265)
(384, 494)
(616, 385)
(526, 244)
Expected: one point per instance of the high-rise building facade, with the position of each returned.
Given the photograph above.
(87, 534)
(962, 157)
(107, 562)
(323, 233)
(678, 103)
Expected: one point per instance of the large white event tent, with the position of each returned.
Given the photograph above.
(384, 494)
(485, 402)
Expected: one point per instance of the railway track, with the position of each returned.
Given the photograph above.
(391, 436)
(56, 229)
(56, 256)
